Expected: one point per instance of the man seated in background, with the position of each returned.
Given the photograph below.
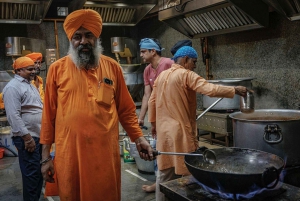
(173, 102)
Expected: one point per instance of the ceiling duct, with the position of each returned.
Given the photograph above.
(288, 8)
(122, 12)
(201, 18)
(23, 12)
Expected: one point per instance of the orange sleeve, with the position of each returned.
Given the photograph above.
(49, 108)
(200, 85)
(1, 101)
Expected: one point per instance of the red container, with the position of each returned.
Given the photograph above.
(1, 152)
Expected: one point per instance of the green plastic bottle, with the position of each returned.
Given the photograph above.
(126, 155)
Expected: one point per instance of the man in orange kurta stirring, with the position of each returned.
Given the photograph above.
(172, 105)
(85, 99)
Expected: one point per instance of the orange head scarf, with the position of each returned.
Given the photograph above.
(86, 18)
(22, 62)
(35, 56)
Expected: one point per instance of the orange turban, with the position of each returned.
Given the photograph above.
(86, 18)
(35, 56)
(22, 62)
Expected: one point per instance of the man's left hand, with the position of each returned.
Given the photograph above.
(143, 144)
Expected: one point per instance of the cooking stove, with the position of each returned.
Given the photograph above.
(188, 189)
(216, 122)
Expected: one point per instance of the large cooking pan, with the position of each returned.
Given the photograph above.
(237, 170)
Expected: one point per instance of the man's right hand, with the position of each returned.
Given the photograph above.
(141, 122)
(29, 143)
(240, 90)
(47, 170)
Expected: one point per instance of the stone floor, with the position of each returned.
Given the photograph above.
(132, 181)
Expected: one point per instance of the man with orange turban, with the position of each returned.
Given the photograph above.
(85, 98)
(38, 80)
(23, 107)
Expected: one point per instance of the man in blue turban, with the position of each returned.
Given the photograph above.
(186, 51)
(172, 112)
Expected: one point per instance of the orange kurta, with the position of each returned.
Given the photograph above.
(1, 101)
(85, 128)
(40, 88)
(172, 106)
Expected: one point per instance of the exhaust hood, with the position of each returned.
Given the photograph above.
(201, 18)
(23, 12)
(288, 8)
(121, 12)
(113, 12)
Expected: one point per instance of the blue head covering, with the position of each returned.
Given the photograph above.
(185, 51)
(180, 44)
(149, 44)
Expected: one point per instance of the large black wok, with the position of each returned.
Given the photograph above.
(237, 170)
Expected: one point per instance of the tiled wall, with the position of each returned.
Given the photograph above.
(271, 55)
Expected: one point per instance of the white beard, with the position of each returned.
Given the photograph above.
(86, 61)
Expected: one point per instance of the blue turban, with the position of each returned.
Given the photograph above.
(185, 51)
(149, 44)
(180, 44)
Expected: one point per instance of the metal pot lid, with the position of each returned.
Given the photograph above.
(267, 115)
(227, 80)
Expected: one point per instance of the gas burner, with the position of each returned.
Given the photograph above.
(255, 194)
(187, 189)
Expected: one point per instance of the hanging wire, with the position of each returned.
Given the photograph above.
(182, 7)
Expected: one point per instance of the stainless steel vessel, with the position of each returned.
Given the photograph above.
(227, 103)
(143, 166)
(117, 44)
(271, 130)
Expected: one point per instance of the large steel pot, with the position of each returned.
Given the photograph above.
(135, 84)
(227, 103)
(271, 130)
(237, 170)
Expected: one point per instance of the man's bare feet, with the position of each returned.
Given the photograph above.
(149, 189)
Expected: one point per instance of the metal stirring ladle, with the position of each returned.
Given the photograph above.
(208, 155)
(212, 105)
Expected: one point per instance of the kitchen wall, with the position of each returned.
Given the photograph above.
(271, 55)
